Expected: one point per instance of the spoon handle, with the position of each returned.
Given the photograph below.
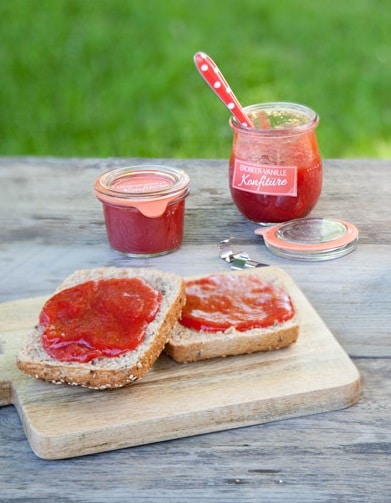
(212, 75)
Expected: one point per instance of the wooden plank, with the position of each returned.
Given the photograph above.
(173, 400)
(210, 210)
(336, 456)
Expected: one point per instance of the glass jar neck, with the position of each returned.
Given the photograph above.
(148, 188)
(277, 119)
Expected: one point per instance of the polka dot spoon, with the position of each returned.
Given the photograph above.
(212, 75)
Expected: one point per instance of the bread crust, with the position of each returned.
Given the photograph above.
(187, 345)
(103, 373)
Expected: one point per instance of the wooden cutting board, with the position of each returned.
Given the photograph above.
(176, 400)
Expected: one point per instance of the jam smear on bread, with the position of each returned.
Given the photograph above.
(103, 318)
(218, 302)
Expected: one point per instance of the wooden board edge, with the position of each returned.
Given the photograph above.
(230, 417)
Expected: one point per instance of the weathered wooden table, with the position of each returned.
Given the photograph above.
(51, 224)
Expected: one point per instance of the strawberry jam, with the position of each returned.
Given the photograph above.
(144, 208)
(104, 318)
(275, 168)
(221, 301)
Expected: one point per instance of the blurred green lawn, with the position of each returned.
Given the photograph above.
(106, 78)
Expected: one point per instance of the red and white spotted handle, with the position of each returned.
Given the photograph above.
(212, 75)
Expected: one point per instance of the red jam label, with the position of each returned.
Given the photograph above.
(265, 179)
(219, 302)
(142, 184)
(95, 319)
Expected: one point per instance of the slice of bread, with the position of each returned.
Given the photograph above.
(109, 372)
(189, 345)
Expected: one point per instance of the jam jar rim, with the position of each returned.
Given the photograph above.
(313, 119)
(179, 187)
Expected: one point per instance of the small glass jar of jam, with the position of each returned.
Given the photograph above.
(144, 208)
(275, 169)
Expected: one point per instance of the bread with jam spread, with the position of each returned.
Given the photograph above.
(187, 344)
(114, 371)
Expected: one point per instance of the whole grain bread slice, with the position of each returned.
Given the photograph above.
(118, 371)
(189, 345)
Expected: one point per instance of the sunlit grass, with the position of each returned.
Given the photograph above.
(116, 77)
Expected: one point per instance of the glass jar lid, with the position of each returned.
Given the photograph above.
(148, 188)
(310, 238)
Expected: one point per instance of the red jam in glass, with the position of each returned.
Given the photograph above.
(275, 168)
(95, 319)
(221, 301)
(144, 208)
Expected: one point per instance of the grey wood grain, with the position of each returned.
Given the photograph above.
(339, 456)
(51, 224)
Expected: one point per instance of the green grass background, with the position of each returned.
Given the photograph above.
(107, 78)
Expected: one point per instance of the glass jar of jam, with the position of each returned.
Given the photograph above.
(144, 208)
(275, 168)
